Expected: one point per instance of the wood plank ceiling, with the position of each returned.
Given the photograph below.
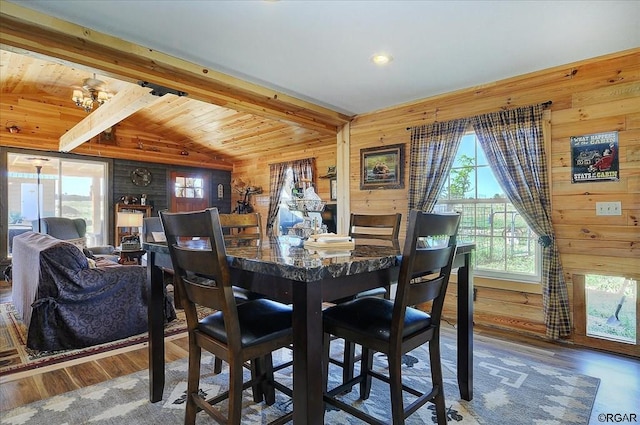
(221, 121)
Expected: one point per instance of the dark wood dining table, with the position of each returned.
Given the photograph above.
(281, 269)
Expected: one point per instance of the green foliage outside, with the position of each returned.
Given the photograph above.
(503, 239)
(459, 179)
(603, 294)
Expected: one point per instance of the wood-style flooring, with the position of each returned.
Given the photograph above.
(619, 391)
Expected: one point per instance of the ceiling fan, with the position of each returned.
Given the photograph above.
(93, 91)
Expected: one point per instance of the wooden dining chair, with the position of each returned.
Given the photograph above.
(379, 226)
(384, 227)
(242, 230)
(237, 332)
(395, 327)
(367, 227)
(241, 226)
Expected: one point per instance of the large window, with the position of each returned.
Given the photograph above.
(505, 246)
(68, 188)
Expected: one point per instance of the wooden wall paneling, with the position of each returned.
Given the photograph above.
(592, 96)
(624, 264)
(561, 131)
(605, 248)
(254, 170)
(605, 94)
(4, 214)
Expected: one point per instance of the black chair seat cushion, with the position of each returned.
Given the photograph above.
(260, 320)
(243, 295)
(375, 292)
(372, 317)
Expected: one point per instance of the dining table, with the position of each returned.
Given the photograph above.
(282, 269)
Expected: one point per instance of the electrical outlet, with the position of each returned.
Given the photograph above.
(609, 208)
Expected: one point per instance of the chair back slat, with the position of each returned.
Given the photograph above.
(241, 226)
(433, 225)
(427, 259)
(430, 260)
(149, 226)
(198, 255)
(423, 291)
(380, 226)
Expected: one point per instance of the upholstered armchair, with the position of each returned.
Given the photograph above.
(68, 301)
(73, 230)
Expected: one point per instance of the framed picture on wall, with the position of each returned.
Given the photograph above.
(382, 167)
(333, 189)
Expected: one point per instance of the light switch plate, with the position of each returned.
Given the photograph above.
(609, 208)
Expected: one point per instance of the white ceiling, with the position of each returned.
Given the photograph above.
(320, 50)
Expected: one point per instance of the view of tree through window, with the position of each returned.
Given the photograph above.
(505, 246)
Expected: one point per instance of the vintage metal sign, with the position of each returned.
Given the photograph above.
(594, 157)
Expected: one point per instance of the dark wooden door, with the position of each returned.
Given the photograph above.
(190, 191)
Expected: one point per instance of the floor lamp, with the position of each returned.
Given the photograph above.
(38, 162)
(38, 170)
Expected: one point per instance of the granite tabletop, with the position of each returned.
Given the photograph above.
(286, 257)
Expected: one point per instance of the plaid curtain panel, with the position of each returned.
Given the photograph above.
(302, 170)
(514, 146)
(277, 173)
(433, 149)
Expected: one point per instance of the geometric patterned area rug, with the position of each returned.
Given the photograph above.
(510, 387)
(15, 357)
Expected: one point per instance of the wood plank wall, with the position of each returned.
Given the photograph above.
(591, 96)
(254, 171)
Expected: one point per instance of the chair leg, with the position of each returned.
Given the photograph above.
(326, 345)
(365, 366)
(395, 384)
(177, 299)
(217, 365)
(256, 371)
(348, 361)
(193, 383)
(436, 380)
(266, 386)
(235, 392)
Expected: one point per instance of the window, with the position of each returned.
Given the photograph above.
(68, 188)
(506, 248)
(189, 187)
(287, 219)
(610, 304)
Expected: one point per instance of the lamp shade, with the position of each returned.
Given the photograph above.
(129, 219)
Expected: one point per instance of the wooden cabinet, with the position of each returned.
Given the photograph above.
(124, 231)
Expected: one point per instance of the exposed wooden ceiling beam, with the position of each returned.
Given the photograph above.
(126, 102)
(27, 29)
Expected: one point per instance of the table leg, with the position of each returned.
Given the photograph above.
(465, 329)
(308, 405)
(155, 310)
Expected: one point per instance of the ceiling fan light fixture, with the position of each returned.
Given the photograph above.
(92, 92)
(77, 97)
(381, 58)
(102, 97)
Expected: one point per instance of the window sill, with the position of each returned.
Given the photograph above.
(508, 285)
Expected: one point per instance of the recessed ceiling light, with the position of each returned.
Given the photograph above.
(381, 58)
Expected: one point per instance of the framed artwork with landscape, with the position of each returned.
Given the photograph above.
(382, 167)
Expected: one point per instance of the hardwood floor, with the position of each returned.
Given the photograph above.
(618, 393)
